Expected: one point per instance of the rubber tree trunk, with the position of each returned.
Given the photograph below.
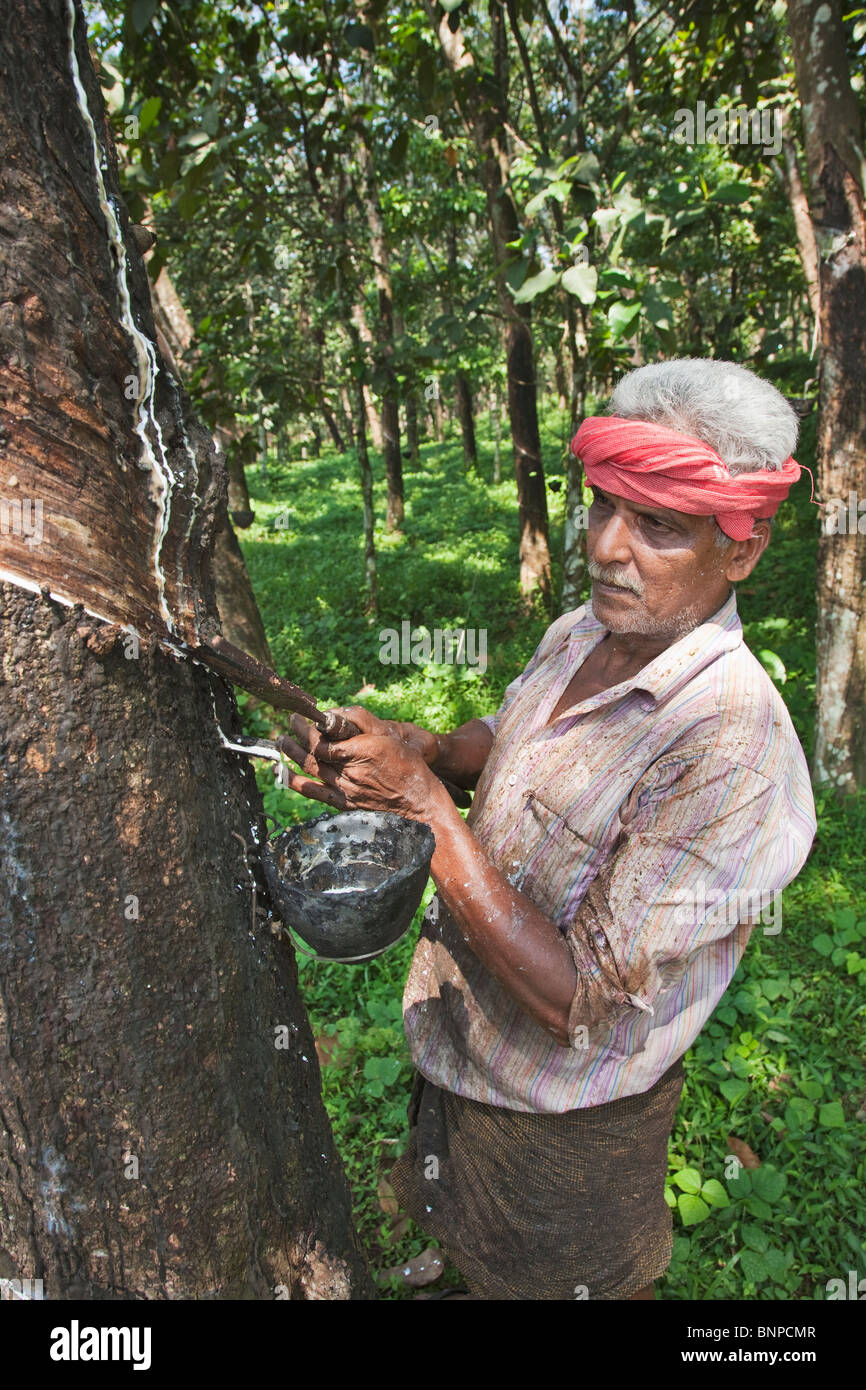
(365, 475)
(496, 412)
(239, 613)
(463, 403)
(833, 130)
(484, 108)
(239, 502)
(374, 422)
(410, 387)
(369, 191)
(412, 426)
(162, 1133)
(238, 610)
(332, 426)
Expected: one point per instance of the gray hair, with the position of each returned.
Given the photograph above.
(746, 420)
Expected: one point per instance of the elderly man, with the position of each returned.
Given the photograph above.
(641, 796)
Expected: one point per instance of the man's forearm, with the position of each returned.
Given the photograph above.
(507, 932)
(463, 753)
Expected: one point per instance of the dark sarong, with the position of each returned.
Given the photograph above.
(543, 1206)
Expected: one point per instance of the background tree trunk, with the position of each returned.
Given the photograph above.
(238, 610)
(161, 1127)
(373, 421)
(484, 107)
(833, 131)
(239, 613)
(412, 426)
(463, 403)
(384, 332)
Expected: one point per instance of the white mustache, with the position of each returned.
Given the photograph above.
(613, 577)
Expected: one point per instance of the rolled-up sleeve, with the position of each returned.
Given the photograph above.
(690, 863)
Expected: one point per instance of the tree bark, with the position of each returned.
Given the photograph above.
(412, 426)
(484, 111)
(463, 403)
(238, 610)
(366, 476)
(369, 191)
(833, 131)
(806, 244)
(496, 410)
(239, 613)
(161, 1127)
(333, 427)
(373, 421)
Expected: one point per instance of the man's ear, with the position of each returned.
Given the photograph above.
(744, 555)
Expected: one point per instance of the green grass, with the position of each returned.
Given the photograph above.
(779, 1064)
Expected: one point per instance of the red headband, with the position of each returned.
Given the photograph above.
(654, 465)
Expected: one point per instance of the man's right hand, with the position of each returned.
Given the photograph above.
(457, 757)
(421, 741)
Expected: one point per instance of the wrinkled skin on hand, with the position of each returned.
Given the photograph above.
(383, 769)
(412, 735)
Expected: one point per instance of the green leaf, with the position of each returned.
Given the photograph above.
(713, 1192)
(844, 918)
(582, 281)
(606, 219)
(558, 190)
(823, 944)
(768, 1183)
(659, 312)
(758, 1208)
(773, 988)
(756, 1238)
(741, 1185)
(777, 1262)
(754, 1266)
(382, 1069)
(142, 13)
(627, 205)
(535, 285)
(774, 666)
(360, 36)
(689, 1179)
(670, 1197)
(799, 1114)
(733, 1090)
(732, 193)
(148, 113)
(692, 1209)
(621, 315)
(580, 168)
(727, 1015)
(831, 1115)
(515, 273)
(612, 275)
(812, 1090)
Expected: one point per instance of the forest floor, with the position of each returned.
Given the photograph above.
(775, 1079)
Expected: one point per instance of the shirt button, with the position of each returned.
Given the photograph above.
(512, 779)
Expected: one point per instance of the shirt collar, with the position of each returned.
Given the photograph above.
(677, 664)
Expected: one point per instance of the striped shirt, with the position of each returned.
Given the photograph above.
(655, 824)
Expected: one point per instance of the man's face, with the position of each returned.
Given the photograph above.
(657, 572)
